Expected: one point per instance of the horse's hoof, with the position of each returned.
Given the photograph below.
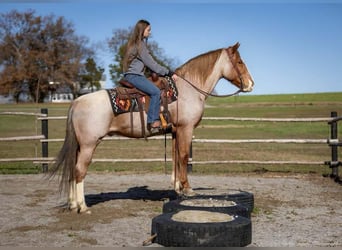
(73, 210)
(84, 210)
(188, 192)
(178, 187)
(72, 207)
(87, 212)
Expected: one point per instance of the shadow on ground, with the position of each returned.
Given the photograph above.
(134, 193)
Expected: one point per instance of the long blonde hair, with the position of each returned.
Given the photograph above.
(134, 43)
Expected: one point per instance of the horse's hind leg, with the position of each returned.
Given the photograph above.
(83, 160)
(72, 203)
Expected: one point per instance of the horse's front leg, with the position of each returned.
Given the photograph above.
(180, 152)
(175, 166)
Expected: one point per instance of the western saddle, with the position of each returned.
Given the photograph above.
(128, 91)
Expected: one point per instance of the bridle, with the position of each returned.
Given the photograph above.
(214, 95)
(235, 67)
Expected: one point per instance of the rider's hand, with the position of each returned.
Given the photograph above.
(174, 77)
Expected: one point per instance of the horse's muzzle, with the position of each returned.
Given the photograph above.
(249, 86)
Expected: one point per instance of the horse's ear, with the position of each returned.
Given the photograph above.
(236, 46)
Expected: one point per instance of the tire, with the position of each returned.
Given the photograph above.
(243, 198)
(177, 205)
(171, 233)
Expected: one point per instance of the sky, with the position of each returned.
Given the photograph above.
(288, 46)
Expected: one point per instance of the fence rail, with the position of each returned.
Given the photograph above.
(301, 141)
(333, 142)
(41, 160)
(322, 119)
(23, 138)
(23, 113)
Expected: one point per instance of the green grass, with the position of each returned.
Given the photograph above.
(263, 106)
(20, 168)
(308, 99)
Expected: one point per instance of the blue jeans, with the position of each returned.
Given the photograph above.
(143, 84)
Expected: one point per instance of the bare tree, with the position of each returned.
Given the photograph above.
(38, 50)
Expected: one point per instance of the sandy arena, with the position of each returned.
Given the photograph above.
(290, 210)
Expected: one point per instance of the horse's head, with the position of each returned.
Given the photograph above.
(237, 72)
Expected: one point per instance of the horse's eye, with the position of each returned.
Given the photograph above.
(240, 62)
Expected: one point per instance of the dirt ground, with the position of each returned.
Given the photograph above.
(290, 210)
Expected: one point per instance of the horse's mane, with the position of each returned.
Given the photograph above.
(200, 67)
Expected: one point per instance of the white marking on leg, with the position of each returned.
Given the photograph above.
(82, 207)
(173, 178)
(72, 203)
(178, 186)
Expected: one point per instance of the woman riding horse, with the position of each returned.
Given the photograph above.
(137, 58)
(87, 124)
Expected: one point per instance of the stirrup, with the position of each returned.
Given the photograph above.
(154, 130)
(167, 128)
(164, 123)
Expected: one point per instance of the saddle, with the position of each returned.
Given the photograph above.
(126, 98)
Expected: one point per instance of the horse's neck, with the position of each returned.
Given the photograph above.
(210, 82)
(215, 75)
(206, 85)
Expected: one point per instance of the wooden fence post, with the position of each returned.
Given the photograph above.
(334, 164)
(189, 166)
(45, 132)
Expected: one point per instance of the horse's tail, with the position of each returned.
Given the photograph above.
(67, 156)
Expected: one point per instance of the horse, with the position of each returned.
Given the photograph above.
(90, 118)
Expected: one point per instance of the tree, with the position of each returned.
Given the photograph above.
(117, 45)
(38, 50)
(92, 75)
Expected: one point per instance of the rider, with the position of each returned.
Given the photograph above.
(137, 57)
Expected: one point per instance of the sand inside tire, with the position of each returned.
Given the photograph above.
(208, 203)
(198, 216)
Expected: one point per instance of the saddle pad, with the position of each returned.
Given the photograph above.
(123, 105)
(172, 92)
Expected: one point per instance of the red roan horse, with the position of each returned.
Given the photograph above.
(91, 117)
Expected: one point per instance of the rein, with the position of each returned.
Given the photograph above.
(207, 93)
(214, 95)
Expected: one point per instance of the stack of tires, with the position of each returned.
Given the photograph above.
(206, 221)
